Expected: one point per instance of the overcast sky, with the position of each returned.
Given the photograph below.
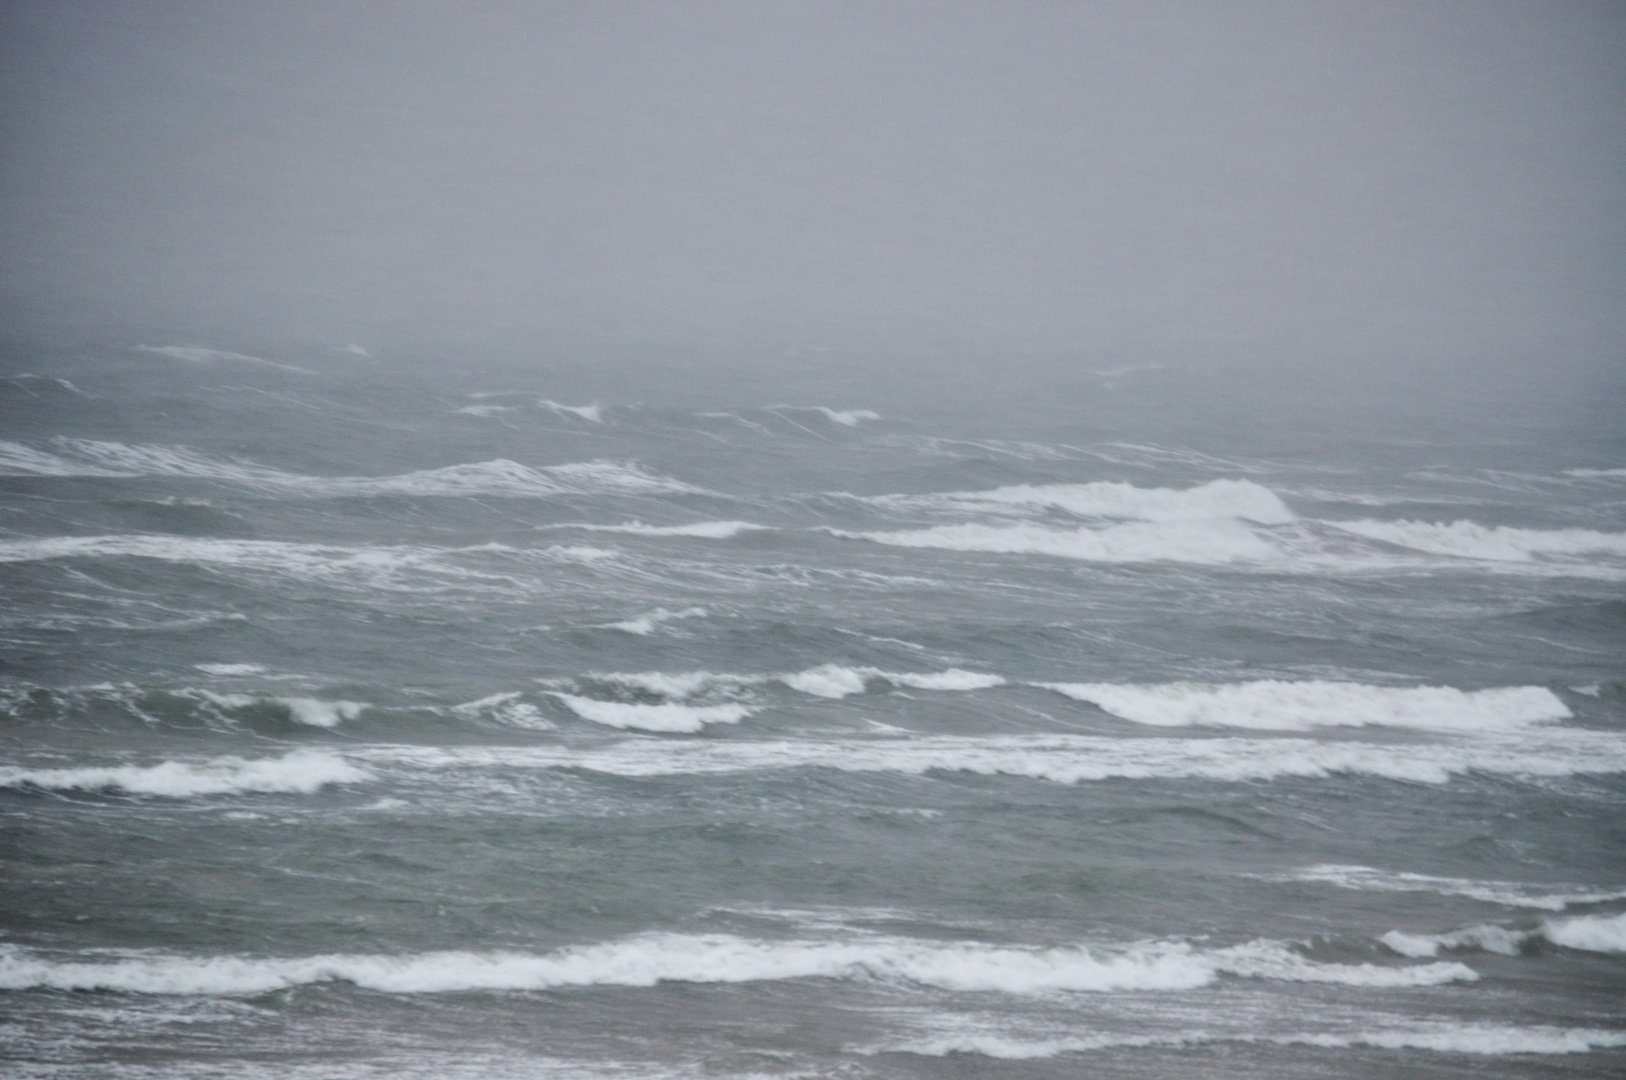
(1122, 179)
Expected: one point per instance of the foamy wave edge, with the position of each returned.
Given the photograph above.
(299, 772)
(1269, 704)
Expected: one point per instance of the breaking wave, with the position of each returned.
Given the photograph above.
(1589, 933)
(1296, 706)
(833, 681)
(1059, 758)
(1594, 933)
(300, 772)
(665, 716)
(649, 959)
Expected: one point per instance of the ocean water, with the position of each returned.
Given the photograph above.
(372, 717)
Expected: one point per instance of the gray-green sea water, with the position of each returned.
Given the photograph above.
(372, 716)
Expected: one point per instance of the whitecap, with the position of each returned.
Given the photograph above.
(1496, 939)
(666, 716)
(1296, 706)
(644, 625)
(301, 772)
(1593, 933)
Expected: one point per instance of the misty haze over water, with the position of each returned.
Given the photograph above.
(812, 539)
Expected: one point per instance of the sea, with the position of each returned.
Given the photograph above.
(375, 713)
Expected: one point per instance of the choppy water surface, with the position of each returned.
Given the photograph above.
(360, 722)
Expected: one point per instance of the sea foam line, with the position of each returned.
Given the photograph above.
(1059, 758)
(649, 959)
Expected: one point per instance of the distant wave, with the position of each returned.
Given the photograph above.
(710, 530)
(649, 959)
(826, 681)
(1210, 542)
(644, 625)
(387, 567)
(846, 418)
(195, 355)
(1469, 540)
(1506, 893)
(498, 477)
(1298, 706)
(1105, 499)
(1483, 1040)
(300, 772)
(590, 413)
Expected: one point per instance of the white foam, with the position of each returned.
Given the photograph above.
(827, 680)
(1505, 893)
(646, 624)
(1469, 540)
(649, 959)
(317, 713)
(484, 410)
(710, 530)
(1109, 499)
(302, 772)
(505, 708)
(586, 412)
(1593, 474)
(1296, 706)
(1486, 1040)
(1594, 933)
(231, 669)
(1059, 758)
(1204, 541)
(1496, 939)
(667, 716)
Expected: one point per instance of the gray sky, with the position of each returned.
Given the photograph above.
(1132, 180)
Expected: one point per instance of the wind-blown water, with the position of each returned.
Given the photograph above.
(368, 723)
